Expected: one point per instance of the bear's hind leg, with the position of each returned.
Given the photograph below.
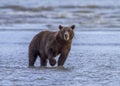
(43, 62)
(32, 59)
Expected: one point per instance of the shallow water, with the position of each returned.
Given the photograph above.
(94, 59)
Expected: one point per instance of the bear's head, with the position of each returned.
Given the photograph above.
(66, 33)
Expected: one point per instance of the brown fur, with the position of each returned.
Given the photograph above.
(47, 45)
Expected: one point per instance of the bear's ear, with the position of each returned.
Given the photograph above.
(73, 27)
(60, 27)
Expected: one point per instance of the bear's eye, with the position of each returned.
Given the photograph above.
(68, 30)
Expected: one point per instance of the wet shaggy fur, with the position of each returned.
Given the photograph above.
(47, 45)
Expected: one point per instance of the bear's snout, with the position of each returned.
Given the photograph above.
(66, 36)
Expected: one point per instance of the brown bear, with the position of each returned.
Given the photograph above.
(47, 45)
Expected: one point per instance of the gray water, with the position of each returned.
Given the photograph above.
(94, 59)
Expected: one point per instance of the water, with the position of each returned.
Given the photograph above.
(94, 59)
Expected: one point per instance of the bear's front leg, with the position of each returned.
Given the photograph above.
(52, 62)
(63, 57)
(51, 58)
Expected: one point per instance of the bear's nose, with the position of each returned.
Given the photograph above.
(66, 35)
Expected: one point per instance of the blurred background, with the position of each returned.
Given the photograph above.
(40, 14)
(94, 59)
